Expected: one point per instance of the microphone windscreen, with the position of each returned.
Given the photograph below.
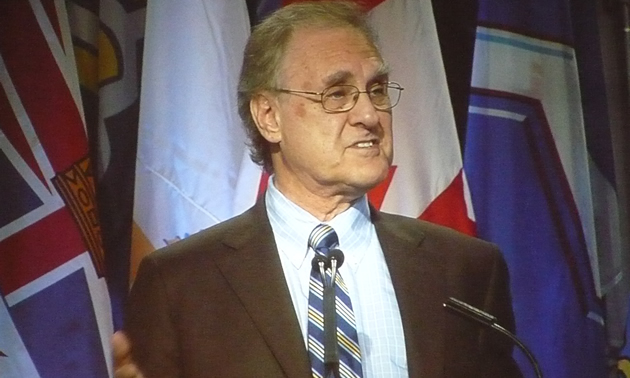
(337, 255)
(316, 260)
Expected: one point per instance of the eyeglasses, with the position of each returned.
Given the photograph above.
(342, 98)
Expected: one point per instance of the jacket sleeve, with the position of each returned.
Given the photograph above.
(149, 324)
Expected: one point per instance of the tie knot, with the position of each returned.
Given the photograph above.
(323, 238)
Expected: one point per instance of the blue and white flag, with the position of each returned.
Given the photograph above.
(191, 144)
(533, 181)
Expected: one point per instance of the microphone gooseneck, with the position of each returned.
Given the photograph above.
(321, 263)
(331, 348)
(482, 317)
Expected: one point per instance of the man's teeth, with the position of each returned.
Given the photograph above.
(365, 144)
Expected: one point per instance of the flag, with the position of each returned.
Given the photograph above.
(190, 141)
(610, 282)
(427, 177)
(55, 317)
(531, 184)
(107, 36)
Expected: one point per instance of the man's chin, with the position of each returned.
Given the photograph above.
(368, 181)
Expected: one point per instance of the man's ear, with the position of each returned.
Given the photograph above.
(264, 112)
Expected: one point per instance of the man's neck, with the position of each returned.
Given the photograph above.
(323, 206)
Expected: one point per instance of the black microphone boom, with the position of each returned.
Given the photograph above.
(331, 349)
(333, 261)
(488, 320)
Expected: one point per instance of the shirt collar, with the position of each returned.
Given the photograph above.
(292, 225)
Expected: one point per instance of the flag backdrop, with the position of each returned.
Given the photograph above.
(190, 140)
(538, 155)
(107, 39)
(55, 317)
(533, 180)
(427, 177)
(610, 281)
(193, 169)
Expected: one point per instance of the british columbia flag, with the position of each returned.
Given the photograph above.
(55, 317)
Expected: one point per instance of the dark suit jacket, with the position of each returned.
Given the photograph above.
(216, 304)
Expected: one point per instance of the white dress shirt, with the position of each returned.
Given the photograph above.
(364, 271)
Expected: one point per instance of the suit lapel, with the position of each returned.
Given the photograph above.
(254, 271)
(418, 278)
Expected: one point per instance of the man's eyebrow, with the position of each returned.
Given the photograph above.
(338, 77)
(341, 77)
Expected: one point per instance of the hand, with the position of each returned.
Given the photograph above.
(124, 366)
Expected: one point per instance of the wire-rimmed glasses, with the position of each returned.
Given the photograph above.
(343, 97)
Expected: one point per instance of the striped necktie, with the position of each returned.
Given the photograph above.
(322, 240)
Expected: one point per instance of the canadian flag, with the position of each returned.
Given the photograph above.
(427, 180)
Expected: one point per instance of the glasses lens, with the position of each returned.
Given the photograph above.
(339, 97)
(392, 91)
(379, 94)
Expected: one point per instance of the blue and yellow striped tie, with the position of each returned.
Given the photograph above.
(324, 239)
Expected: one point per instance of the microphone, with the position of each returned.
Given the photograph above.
(321, 263)
(335, 260)
(336, 254)
(331, 347)
(488, 320)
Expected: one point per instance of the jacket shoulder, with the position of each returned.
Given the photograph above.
(439, 238)
(229, 234)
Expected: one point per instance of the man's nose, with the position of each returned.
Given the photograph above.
(364, 113)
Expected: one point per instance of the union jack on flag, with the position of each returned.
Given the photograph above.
(55, 313)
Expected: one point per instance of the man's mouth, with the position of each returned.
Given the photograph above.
(366, 144)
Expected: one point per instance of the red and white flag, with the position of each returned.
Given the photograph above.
(427, 179)
(55, 317)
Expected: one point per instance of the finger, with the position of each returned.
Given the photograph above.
(128, 371)
(121, 348)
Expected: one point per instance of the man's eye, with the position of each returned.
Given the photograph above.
(378, 90)
(336, 93)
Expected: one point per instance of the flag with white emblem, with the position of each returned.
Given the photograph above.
(538, 178)
(190, 140)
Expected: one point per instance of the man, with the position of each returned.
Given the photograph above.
(235, 300)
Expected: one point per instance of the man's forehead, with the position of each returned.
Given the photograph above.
(326, 50)
(345, 76)
(310, 34)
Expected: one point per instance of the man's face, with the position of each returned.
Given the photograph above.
(325, 153)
